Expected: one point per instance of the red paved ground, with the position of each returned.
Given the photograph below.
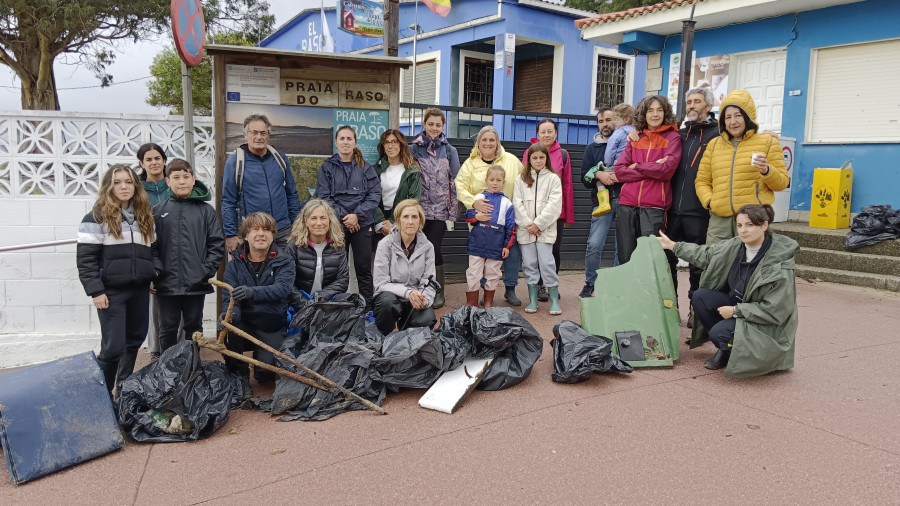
(823, 433)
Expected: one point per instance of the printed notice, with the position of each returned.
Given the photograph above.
(249, 84)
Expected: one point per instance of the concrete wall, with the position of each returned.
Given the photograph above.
(876, 175)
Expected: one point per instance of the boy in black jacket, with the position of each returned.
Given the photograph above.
(190, 245)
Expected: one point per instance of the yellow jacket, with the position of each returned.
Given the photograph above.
(726, 180)
(470, 180)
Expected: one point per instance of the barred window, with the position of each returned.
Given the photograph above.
(611, 73)
(478, 83)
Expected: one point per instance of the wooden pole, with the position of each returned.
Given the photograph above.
(391, 18)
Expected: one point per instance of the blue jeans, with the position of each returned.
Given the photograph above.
(600, 226)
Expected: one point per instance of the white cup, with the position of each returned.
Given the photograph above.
(757, 158)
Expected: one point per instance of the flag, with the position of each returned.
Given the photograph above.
(439, 7)
(326, 44)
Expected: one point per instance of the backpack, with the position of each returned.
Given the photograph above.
(239, 173)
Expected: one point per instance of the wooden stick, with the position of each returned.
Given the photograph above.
(227, 326)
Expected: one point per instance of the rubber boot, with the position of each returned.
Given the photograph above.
(718, 361)
(472, 298)
(532, 299)
(488, 298)
(554, 300)
(439, 296)
(510, 296)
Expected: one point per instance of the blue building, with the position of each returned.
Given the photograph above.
(823, 72)
(506, 54)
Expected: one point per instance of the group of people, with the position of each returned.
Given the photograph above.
(703, 189)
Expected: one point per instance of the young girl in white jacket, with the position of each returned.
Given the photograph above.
(537, 199)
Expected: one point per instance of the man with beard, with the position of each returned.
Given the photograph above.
(593, 154)
(688, 219)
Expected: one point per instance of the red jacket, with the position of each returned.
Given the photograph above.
(647, 184)
(565, 172)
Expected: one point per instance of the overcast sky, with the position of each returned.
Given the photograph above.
(132, 64)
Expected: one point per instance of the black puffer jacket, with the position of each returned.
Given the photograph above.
(694, 138)
(267, 310)
(335, 275)
(189, 244)
(106, 262)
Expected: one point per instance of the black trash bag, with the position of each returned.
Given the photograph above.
(506, 333)
(200, 393)
(347, 364)
(873, 225)
(867, 224)
(856, 241)
(577, 355)
(331, 321)
(881, 212)
(411, 358)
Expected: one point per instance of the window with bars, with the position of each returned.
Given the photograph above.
(478, 83)
(611, 77)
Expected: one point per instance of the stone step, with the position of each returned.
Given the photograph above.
(820, 238)
(866, 279)
(847, 261)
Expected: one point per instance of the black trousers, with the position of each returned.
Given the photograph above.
(361, 242)
(123, 327)
(686, 229)
(240, 345)
(434, 230)
(706, 304)
(391, 310)
(174, 308)
(633, 222)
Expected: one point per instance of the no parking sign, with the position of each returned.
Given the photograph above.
(189, 31)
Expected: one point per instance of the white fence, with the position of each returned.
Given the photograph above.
(50, 168)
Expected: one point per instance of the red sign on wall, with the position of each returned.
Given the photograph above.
(189, 31)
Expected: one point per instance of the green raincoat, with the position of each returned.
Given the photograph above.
(410, 188)
(764, 334)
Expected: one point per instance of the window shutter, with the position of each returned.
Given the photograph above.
(854, 94)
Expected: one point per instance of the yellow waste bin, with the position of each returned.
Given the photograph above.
(831, 197)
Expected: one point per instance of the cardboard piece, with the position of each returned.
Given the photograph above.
(448, 392)
(832, 189)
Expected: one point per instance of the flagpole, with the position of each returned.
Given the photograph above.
(415, 38)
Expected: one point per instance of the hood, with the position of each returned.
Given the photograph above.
(396, 241)
(475, 154)
(423, 140)
(199, 192)
(743, 101)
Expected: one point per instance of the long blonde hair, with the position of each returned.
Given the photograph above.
(107, 210)
(300, 232)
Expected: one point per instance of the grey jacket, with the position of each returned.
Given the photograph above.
(395, 273)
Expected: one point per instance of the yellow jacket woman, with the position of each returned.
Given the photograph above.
(727, 178)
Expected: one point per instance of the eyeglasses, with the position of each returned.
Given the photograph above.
(261, 133)
(392, 142)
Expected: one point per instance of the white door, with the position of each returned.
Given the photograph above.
(762, 74)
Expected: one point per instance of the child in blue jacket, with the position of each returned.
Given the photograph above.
(490, 238)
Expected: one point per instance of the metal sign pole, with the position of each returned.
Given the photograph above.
(188, 106)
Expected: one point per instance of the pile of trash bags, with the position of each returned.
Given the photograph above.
(873, 225)
(577, 355)
(339, 343)
(178, 397)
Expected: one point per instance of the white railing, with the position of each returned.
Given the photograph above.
(55, 154)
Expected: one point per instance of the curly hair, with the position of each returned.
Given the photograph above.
(108, 210)
(640, 112)
(406, 157)
(300, 232)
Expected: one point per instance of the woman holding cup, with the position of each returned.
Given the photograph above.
(739, 167)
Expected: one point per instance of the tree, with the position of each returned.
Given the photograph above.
(604, 6)
(165, 90)
(34, 33)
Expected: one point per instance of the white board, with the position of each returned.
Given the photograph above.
(448, 392)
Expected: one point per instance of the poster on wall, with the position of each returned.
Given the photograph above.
(361, 17)
(712, 72)
(674, 76)
(369, 126)
(249, 84)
